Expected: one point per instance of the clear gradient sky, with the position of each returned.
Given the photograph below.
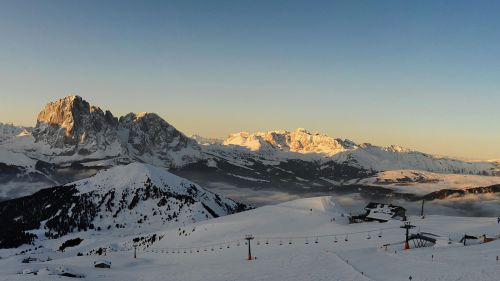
(422, 74)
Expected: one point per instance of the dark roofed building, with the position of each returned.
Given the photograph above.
(102, 264)
(384, 212)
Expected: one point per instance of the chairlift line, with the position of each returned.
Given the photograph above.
(227, 244)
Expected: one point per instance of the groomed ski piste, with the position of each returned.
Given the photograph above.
(306, 239)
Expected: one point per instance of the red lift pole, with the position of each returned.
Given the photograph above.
(407, 226)
(249, 237)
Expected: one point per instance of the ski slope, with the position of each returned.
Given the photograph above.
(284, 249)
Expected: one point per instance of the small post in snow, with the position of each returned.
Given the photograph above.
(422, 210)
(135, 251)
(249, 237)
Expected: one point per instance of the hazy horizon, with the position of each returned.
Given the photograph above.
(423, 75)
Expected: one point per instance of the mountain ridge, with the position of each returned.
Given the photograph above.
(129, 197)
(74, 139)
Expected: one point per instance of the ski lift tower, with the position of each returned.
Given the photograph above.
(407, 226)
(249, 237)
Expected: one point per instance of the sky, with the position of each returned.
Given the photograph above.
(421, 74)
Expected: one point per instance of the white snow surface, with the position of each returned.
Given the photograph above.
(298, 222)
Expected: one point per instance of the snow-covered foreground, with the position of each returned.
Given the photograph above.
(284, 246)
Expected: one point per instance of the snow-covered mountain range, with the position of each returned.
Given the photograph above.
(73, 140)
(301, 144)
(129, 197)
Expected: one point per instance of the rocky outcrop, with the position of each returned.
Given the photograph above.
(300, 141)
(149, 133)
(73, 125)
(76, 131)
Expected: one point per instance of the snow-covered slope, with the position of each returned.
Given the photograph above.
(130, 197)
(284, 248)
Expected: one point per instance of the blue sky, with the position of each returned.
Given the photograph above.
(422, 74)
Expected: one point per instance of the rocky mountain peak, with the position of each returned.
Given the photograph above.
(149, 134)
(73, 125)
(299, 140)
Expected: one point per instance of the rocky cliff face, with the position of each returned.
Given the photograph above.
(71, 130)
(74, 126)
(300, 141)
(147, 134)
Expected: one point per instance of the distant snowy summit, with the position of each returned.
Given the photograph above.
(300, 141)
(8, 131)
(301, 144)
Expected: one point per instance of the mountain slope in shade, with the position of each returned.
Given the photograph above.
(124, 198)
(151, 139)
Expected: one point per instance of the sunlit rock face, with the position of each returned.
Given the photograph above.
(300, 141)
(73, 125)
(71, 130)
